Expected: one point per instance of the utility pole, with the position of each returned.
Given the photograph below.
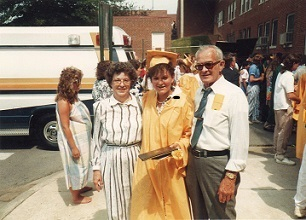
(182, 19)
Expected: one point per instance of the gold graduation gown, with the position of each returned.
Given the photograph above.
(189, 85)
(301, 121)
(159, 190)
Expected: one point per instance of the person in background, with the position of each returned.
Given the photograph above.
(146, 82)
(220, 140)
(300, 196)
(269, 126)
(229, 71)
(253, 89)
(101, 89)
(143, 70)
(137, 88)
(283, 96)
(263, 107)
(300, 112)
(276, 67)
(74, 134)
(116, 140)
(244, 76)
(159, 190)
(188, 81)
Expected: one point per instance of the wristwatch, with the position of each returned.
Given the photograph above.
(230, 175)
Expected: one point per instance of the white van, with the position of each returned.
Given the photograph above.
(31, 60)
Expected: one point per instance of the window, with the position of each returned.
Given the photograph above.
(231, 11)
(245, 6)
(290, 23)
(260, 30)
(274, 33)
(248, 33)
(242, 34)
(289, 29)
(220, 19)
(245, 33)
(231, 37)
(267, 32)
(267, 29)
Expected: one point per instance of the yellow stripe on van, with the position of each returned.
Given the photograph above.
(38, 84)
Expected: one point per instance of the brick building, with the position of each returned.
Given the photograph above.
(143, 30)
(279, 25)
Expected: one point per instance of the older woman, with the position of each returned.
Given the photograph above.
(117, 136)
(158, 187)
(74, 133)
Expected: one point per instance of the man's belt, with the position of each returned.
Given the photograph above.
(207, 153)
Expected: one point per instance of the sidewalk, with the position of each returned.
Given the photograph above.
(266, 192)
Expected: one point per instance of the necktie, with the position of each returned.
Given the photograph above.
(198, 114)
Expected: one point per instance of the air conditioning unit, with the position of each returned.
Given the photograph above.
(286, 38)
(262, 41)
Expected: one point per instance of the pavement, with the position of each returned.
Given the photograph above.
(266, 190)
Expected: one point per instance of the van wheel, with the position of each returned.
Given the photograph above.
(47, 132)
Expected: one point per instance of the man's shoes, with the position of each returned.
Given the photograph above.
(299, 212)
(283, 160)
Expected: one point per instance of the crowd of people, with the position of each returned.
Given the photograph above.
(200, 106)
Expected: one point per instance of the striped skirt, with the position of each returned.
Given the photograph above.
(117, 169)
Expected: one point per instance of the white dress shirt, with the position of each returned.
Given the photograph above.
(225, 124)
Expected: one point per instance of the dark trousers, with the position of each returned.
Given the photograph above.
(203, 179)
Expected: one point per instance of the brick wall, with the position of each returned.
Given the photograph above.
(259, 14)
(198, 17)
(140, 28)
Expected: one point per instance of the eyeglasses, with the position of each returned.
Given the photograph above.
(208, 65)
(118, 81)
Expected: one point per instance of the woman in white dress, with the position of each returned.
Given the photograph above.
(116, 140)
(74, 134)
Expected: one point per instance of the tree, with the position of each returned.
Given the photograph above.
(56, 12)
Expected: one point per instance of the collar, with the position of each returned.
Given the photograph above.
(113, 101)
(216, 86)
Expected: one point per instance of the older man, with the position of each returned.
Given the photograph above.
(220, 140)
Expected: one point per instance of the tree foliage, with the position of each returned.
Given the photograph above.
(56, 12)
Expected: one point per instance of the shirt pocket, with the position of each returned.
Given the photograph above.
(214, 118)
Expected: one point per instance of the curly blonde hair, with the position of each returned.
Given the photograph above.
(65, 89)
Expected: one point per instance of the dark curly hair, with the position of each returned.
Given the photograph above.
(102, 68)
(119, 67)
(65, 89)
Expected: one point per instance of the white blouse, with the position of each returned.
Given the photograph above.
(115, 123)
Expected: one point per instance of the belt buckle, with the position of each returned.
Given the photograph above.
(199, 153)
(205, 153)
